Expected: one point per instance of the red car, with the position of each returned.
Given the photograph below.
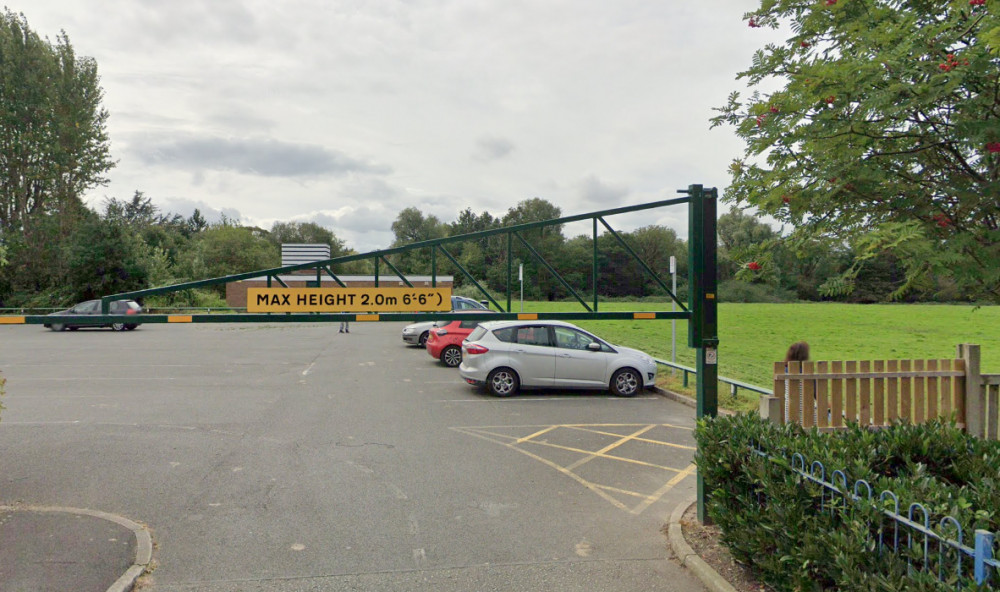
(445, 341)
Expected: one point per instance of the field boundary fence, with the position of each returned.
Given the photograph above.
(877, 393)
(937, 548)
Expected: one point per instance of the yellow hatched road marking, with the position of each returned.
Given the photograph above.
(11, 320)
(609, 447)
(663, 490)
(582, 426)
(604, 491)
(179, 319)
(562, 470)
(607, 456)
(536, 434)
(647, 440)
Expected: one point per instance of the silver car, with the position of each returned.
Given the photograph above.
(506, 355)
(417, 333)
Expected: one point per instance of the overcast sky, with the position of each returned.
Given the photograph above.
(346, 112)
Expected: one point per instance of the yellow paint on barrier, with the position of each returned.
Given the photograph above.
(364, 300)
(644, 315)
(11, 320)
(527, 316)
(363, 318)
(179, 319)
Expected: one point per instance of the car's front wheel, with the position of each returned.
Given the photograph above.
(451, 356)
(422, 340)
(503, 382)
(626, 382)
(57, 327)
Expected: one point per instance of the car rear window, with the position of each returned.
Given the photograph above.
(476, 333)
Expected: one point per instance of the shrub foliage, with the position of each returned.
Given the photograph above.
(776, 521)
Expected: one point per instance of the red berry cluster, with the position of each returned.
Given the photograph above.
(804, 44)
(977, 2)
(952, 63)
(942, 220)
(785, 199)
(993, 147)
(831, 2)
(753, 24)
(753, 266)
(829, 100)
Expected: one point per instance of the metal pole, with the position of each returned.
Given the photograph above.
(520, 278)
(673, 308)
(703, 325)
(594, 265)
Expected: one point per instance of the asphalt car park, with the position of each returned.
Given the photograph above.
(289, 457)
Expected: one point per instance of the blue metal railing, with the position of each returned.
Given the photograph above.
(734, 385)
(948, 538)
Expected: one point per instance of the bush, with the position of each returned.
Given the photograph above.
(771, 517)
(192, 298)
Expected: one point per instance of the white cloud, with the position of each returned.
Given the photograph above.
(286, 110)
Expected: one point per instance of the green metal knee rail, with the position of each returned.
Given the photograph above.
(734, 385)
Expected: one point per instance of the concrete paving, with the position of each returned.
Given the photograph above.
(291, 457)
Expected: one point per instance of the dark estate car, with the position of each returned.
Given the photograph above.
(93, 307)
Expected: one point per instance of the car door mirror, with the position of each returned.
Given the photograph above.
(594, 346)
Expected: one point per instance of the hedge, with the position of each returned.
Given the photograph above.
(771, 520)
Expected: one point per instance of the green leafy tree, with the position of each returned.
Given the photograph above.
(226, 249)
(306, 233)
(547, 240)
(483, 255)
(883, 132)
(105, 256)
(746, 247)
(411, 226)
(55, 145)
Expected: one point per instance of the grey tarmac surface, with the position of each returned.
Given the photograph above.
(290, 457)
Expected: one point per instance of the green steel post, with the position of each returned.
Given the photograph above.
(703, 304)
(595, 265)
(434, 267)
(376, 271)
(510, 263)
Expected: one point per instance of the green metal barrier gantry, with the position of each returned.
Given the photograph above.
(700, 310)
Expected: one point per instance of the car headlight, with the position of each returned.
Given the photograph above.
(407, 331)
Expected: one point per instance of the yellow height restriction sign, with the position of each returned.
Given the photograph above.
(348, 299)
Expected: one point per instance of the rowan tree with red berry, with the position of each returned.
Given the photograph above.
(884, 133)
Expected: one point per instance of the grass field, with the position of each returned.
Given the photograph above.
(754, 336)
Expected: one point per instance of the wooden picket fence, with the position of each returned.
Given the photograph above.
(878, 393)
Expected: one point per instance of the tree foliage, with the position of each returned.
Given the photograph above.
(884, 133)
(53, 142)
